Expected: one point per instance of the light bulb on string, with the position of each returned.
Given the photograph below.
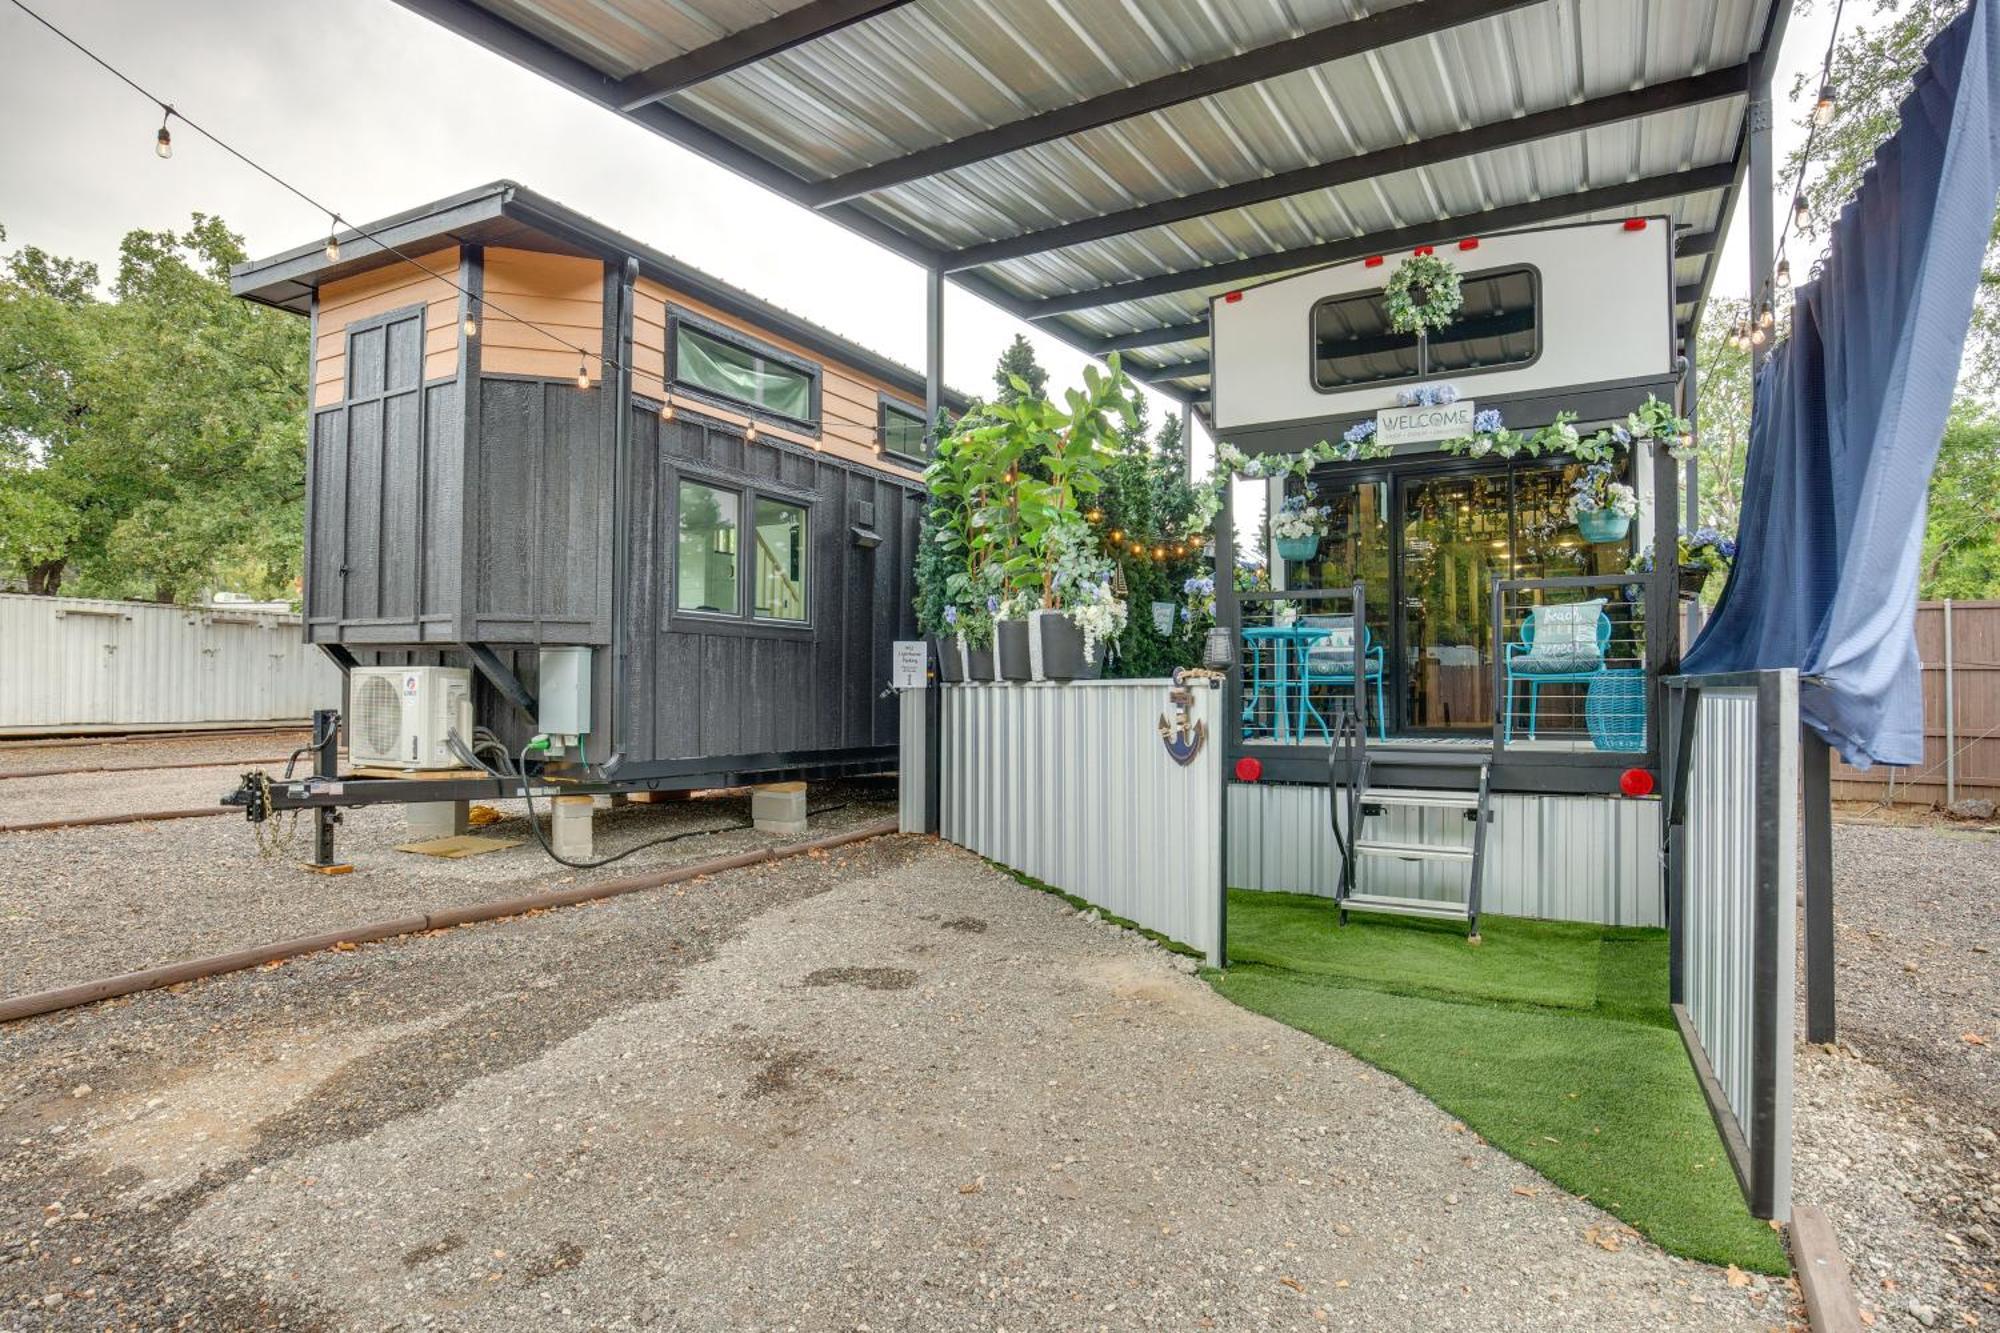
(471, 324)
(1758, 336)
(1824, 108)
(1765, 318)
(667, 410)
(750, 432)
(163, 142)
(583, 374)
(332, 248)
(1784, 274)
(1801, 215)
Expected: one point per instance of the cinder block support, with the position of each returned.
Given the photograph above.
(779, 807)
(425, 820)
(569, 826)
(616, 800)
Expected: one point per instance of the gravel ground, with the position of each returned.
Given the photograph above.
(76, 904)
(29, 757)
(32, 800)
(886, 1088)
(1895, 1127)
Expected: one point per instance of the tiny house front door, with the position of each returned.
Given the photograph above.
(1456, 540)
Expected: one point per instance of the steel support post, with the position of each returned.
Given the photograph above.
(1816, 800)
(326, 764)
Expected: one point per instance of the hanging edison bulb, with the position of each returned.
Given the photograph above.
(583, 374)
(1824, 108)
(332, 248)
(1765, 319)
(667, 410)
(1758, 336)
(1801, 215)
(471, 324)
(750, 431)
(1784, 274)
(163, 142)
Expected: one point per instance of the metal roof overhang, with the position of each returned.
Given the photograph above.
(1103, 169)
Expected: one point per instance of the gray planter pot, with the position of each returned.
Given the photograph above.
(1061, 649)
(950, 659)
(1010, 640)
(978, 662)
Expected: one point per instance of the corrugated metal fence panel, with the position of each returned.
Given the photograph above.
(910, 775)
(1739, 911)
(1565, 858)
(69, 662)
(1071, 784)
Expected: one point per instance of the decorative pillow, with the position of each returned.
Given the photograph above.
(1565, 639)
(1333, 651)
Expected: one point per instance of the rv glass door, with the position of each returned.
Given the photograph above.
(1455, 543)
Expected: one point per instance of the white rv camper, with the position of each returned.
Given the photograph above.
(1510, 640)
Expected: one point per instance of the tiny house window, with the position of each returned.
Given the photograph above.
(778, 561)
(1353, 344)
(718, 363)
(903, 430)
(706, 550)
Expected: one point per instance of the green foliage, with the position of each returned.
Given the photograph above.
(1147, 497)
(151, 445)
(1962, 533)
(1019, 375)
(1550, 1039)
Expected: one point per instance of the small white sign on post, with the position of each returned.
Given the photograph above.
(911, 665)
(1423, 425)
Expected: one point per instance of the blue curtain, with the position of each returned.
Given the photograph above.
(1848, 413)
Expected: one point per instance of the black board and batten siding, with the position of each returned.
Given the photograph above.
(695, 686)
(421, 539)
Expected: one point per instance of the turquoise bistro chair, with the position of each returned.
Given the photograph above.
(1329, 660)
(1569, 665)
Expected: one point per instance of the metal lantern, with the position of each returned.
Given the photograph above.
(1219, 649)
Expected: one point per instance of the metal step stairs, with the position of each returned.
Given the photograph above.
(1349, 793)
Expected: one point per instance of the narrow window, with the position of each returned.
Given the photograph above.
(706, 548)
(779, 562)
(738, 370)
(1353, 344)
(1496, 326)
(903, 431)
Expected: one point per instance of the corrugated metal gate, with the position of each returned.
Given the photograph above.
(1732, 852)
(1074, 784)
(74, 664)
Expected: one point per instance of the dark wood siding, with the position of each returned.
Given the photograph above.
(696, 687)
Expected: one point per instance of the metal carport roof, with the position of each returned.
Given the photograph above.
(1103, 167)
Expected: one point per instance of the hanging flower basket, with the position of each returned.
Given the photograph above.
(1298, 548)
(1603, 525)
(1423, 295)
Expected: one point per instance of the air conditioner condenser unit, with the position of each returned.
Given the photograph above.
(398, 717)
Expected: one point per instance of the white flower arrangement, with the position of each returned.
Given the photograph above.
(1612, 496)
(1297, 520)
(1100, 614)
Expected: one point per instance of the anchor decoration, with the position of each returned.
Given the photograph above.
(1183, 736)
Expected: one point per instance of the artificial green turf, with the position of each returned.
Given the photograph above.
(1552, 1040)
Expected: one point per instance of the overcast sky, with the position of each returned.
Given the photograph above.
(382, 110)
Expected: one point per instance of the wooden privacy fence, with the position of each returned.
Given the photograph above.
(1078, 785)
(1959, 643)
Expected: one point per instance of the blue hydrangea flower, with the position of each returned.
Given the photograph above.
(951, 615)
(1486, 422)
(1360, 432)
(1620, 434)
(992, 604)
(1444, 395)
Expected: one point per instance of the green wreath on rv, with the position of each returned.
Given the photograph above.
(1423, 295)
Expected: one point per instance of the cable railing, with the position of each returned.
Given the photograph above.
(1570, 664)
(1301, 663)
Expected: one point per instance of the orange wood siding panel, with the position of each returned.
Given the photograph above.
(560, 296)
(847, 396)
(346, 300)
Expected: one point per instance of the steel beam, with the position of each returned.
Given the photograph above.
(1487, 138)
(1533, 213)
(1355, 37)
(1156, 337)
(1173, 370)
(793, 27)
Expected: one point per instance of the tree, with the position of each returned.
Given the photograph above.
(1018, 362)
(1722, 412)
(1962, 530)
(152, 444)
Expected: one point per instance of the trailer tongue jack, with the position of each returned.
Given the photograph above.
(254, 793)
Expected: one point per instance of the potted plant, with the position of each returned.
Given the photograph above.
(1298, 526)
(1702, 553)
(975, 642)
(1601, 506)
(1070, 636)
(1013, 657)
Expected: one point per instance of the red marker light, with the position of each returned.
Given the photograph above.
(1636, 782)
(1232, 298)
(1424, 250)
(1249, 769)
(1469, 243)
(1373, 261)
(1635, 224)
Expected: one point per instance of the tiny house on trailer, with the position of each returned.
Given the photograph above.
(1510, 652)
(639, 508)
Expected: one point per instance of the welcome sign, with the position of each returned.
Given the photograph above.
(1423, 425)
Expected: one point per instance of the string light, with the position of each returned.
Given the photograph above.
(1784, 274)
(1095, 515)
(1824, 108)
(333, 243)
(1765, 319)
(1801, 215)
(1758, 336)
(750, 432)
(667, 410)
(583, 374)
(163, 142)
(471, 324)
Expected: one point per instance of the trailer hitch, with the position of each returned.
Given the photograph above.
(253, 794)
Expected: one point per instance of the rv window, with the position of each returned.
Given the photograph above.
(903, 430)
(741, 373)
(1354, 345)
(705, 551)
(779, 562)
(1498, 325)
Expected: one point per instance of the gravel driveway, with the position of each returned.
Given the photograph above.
(1895, 1128)
(886, 1088)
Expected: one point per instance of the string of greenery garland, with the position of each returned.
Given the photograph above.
(1423, 295)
